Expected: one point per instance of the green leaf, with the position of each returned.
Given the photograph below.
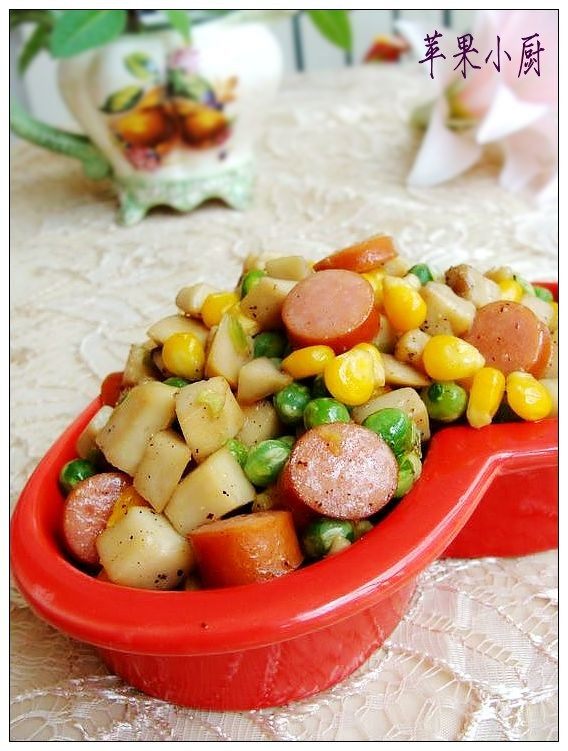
(123, 100)
(76, 31)
(141, 66)
(180, 21)
(40, 17)
(334, 25)
(35, 43)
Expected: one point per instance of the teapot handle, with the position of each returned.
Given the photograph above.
(95, 164)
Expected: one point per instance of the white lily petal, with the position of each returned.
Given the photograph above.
(443, 155)
(507, 115)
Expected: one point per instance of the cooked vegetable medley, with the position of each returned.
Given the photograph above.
(267, 426)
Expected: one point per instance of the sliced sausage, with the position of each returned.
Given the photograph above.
(510, 337)
(333, 307)
(86, 510)
(341, 470)
(364, 256)
(247, 548)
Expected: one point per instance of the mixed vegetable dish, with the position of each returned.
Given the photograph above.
(270, 425)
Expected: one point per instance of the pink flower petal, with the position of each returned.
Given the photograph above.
(443, 155)
(508, 114)
(529, 161)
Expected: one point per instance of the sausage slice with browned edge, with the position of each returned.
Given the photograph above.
(341, 470)
(334, 307)
(364, 256)
(510, 337)
(86, 510)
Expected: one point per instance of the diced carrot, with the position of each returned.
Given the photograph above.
(247, 548)
(363, 256)
(128, 498)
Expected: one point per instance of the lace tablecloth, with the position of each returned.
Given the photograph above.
(475, 658)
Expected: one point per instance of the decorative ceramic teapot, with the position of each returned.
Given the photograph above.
(170, 124)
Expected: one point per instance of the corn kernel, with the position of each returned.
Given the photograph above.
(511, 290)
(486, 393)
(350, 377)
(215, 305)
(448, 358)
(403, 304)
(378, 365)
(308, 361)
(527, 397)
(183, 355)
(375, 279)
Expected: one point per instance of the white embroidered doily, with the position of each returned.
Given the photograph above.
(475, 658)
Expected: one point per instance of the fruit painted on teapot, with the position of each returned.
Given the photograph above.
(172, 125)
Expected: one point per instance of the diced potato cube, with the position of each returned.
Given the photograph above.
(397, 266)
(406, 399)
(208, 415)
(144, 550)
(139, 365)
(542, 309)
(86, 445)
(177, 324)
(447, 312)
(190, 299)
(410, 346)
(214, 488)
(161, 468)
(295, 268)
(472, 285)
(147, 408)
(401, 374)
(385, 340)
(551, 385)
(229, 349)
(260, 378)
(264, 302)
(261, 423)
(257, 261)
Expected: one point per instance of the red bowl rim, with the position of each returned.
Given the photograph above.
(459, 466)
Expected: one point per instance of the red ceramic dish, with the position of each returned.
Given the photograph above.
(267, 644)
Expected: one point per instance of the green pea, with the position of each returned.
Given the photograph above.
(422, 271)
(269, 344)
(250, 280)
(238, 450)
(409, 470)
(320, 534)
(324, 410)
(395, 427)
(544, 293)
(445, 401)
(287, 440)
(74, 472)
(319, 389)
(291, 402)
(176, 381)
(528, 289)
(265, 461)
